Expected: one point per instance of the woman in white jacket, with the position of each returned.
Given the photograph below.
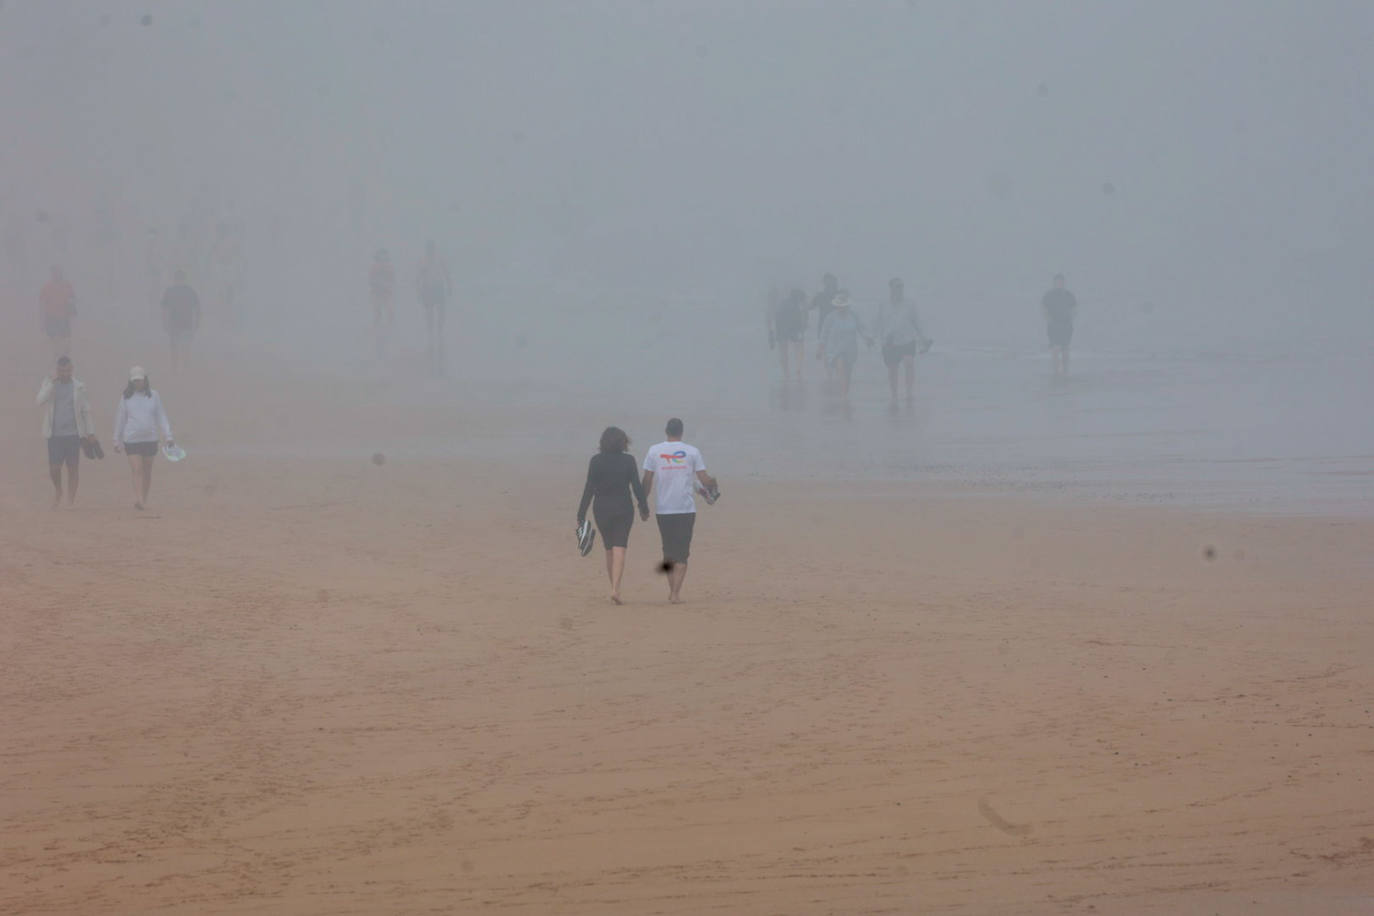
(140, 422)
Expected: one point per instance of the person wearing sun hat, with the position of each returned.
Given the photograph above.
(840, 340)
(140, 422)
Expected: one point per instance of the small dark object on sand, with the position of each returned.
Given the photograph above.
(665, 567)
(1209, 553)
(378, 459)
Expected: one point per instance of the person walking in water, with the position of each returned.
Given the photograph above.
(435, 287)
(180, 318)
(677, 468)
(140, 422)
(787, 331)
(899, 329)
(1060, 308)
(57, 306)
(839, 345)
(611, 476)
(381, 284)
(66, 425)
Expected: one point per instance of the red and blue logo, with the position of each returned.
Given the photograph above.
(674, 459)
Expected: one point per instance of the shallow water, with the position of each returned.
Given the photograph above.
(1262, 432)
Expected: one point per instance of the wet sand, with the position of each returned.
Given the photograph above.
(329, 686)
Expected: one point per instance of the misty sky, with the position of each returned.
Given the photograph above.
(723, 146)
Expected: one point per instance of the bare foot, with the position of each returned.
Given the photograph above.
(615, 599)
(674, 599)
(138, 506)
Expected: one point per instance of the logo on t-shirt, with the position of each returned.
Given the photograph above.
(674, 459)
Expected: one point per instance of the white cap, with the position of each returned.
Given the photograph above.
(137, 373)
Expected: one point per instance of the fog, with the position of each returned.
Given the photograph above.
(616, 186)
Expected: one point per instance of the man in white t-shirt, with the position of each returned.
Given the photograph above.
(678, 468)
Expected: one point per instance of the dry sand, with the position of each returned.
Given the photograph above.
(334, 687)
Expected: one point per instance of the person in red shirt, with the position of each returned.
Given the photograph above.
(57, 307)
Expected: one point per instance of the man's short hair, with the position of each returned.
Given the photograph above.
(63, 362)
(674, 427)
(1058, 278)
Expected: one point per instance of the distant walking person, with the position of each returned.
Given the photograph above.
(66, 425)
(678, 468)
(180, 318)
(611, 476)
(839, 344)
(824, 302)
(435, 287)
(900, 331)
(140, 422)
(57, 306)
(1060, 308)
(381, 284)
(787, 331)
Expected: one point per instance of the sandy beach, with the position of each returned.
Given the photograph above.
(330, 686)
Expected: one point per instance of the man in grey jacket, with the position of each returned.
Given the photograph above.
(66, 424)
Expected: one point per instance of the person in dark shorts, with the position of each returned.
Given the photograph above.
(180, 318)
(1060, 308)
(57, 305)
(611, 475)
(66, 425)
(140, 422)
(899, 329)
(435, 286)
(678, 468)
(787, 331)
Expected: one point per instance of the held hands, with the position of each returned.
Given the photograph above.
(643, 513)
(119, 447)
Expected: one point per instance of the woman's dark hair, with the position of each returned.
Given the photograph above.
(614, 440)
(147, 391)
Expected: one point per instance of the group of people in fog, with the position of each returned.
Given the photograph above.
(839, 328)
(896, 325)
(141, 428)
(179, 308)
(434, 288)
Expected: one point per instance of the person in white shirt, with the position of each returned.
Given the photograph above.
(140, 422)
(899, 329)
(66, 426)
(678, 468)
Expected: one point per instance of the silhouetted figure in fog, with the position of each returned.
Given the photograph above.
(899, 329)
(180, 318)
(57, 308)
(1060, 308)
(839, 344)
(381, 286)
(435, 287)
(824, 302)
(787, 330)
(611, 476)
